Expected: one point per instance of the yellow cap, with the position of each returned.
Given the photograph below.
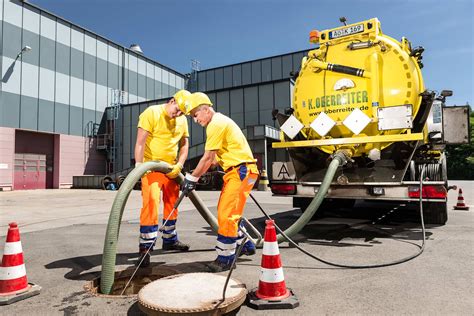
(181, 97)
(196, 99)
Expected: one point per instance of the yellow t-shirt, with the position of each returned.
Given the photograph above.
(225, 137)
(165, 134)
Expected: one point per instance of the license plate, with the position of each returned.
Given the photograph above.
(347, 31)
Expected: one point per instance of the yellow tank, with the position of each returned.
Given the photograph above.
(356, 67)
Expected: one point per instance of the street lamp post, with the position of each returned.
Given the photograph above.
(24, 49)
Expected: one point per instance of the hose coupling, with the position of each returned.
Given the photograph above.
(343, 155)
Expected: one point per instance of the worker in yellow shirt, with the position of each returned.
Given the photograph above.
(162, 134)
(226, 145)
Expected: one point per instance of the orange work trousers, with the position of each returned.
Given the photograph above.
(152, 185)
(238, 182)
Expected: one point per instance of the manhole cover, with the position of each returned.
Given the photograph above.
(191, 294)
(141, 278)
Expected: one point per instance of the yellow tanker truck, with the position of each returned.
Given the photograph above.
(360, 96)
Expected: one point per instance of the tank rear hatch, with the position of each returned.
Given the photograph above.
(355, 83)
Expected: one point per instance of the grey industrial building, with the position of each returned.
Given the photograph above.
(70, 99)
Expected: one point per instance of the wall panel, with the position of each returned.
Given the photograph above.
(265, 97)
(287, 65)
(266, 70)
(227, 77)
(11, 41)
(89, 95)
(62, 88)
(77, 39)
(61, 118)
(63, 33)
(48, 26)
(75, 121)
(77, 91)
(256, 72)
(46, 88)
(218, 78)
(222, 102)
(29, 80)
(236, 75)
(276, 68)
(29, 113)
(251, 105)
(31, 19)
(45, 116)
(12, 12)
(201, 77)
(210, 85)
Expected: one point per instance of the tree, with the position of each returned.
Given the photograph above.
(461, 157)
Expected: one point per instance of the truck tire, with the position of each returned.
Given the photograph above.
(435, 213)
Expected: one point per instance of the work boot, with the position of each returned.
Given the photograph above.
(219, 266)
(248, 249)
(177, 245)
(146, 260)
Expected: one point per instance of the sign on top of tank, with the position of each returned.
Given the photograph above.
(369, 27)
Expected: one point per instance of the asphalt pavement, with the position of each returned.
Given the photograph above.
(63, 231)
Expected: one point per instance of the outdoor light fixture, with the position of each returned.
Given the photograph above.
(24, 49)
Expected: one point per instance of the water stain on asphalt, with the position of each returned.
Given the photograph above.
(74, 297)
(69, 310)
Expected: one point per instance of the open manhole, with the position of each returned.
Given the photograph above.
(141, 278)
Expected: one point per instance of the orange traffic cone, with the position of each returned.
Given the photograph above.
(460, 204)
(14, 285)
(272, 292)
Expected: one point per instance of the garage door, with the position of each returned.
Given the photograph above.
(30, 172)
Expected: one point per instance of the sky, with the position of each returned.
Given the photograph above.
(223, 32)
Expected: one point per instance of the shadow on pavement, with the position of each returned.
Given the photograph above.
(338, 225)
(79, 265)
(134, 310)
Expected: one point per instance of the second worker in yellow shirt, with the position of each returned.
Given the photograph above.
(162, 135)
(226, 144)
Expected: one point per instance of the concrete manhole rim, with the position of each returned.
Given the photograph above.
(229, 302)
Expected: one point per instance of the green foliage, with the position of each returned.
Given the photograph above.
(461, 158)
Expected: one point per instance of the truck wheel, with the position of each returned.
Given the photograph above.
(435, 212)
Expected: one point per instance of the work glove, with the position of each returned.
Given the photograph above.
(175, 171)
(189, 184)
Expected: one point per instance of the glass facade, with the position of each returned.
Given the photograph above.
(66, 80)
